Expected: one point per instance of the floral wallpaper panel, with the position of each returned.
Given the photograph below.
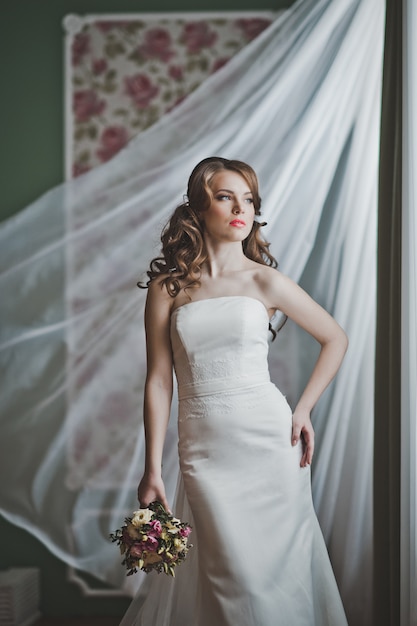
(124, 74)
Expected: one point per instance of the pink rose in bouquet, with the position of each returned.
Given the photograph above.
(156, 526)
(184, 532)
(136, 551)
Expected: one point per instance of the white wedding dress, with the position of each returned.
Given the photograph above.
(259, 558)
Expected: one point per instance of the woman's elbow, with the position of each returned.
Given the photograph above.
(344, 341)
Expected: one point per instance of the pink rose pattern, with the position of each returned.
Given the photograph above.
(126, 74)
(219, 63)
(141, 89)
(252, 27)
(198, 35)
(157, 45)
(99, 66)
(86, 104)
(80, 47)
(176, 72)
(113, 139)
(79, 168)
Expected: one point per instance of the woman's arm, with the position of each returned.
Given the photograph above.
(304, 311)
(158, 391)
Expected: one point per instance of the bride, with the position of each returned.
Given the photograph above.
(259, 558)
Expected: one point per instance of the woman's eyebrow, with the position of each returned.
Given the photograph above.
(230, 191)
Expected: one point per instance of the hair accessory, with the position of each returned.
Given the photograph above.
(186, 200)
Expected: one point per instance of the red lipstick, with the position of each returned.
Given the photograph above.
(239, 223)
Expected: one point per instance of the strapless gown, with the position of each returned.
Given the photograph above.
(259, 557)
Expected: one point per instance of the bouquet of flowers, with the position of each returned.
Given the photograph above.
(152, 539)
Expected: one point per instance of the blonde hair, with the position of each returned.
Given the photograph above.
(183, 251)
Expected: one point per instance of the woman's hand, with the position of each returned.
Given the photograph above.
(303, 428)
(152, 488)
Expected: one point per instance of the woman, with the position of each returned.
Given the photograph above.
(244, 455)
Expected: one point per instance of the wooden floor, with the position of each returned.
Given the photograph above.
(78, 621)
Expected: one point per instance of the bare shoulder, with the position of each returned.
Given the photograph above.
(282, 293)
(158, 297)
(157, 288)
(265, 274)
(272, 283)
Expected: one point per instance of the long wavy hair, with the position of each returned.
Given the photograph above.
(183, 251)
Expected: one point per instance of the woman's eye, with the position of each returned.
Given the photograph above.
(228, 197)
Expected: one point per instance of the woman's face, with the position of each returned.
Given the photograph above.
(231, 212)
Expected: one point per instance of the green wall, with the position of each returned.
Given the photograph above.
(31, 161)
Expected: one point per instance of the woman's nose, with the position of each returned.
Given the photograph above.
(237, 207)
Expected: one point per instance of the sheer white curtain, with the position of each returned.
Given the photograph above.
(409, 324)
(301, 105)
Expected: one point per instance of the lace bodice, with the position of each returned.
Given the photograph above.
(207, 361)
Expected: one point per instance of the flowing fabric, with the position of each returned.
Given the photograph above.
(261, 560)
(301, 105)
